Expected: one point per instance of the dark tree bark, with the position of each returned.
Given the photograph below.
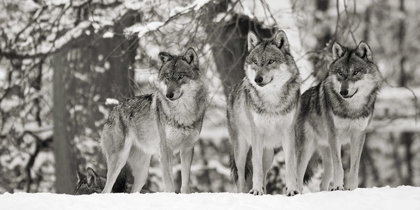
(323, 36)
(407, 139)
(65, 164)
(401, 40)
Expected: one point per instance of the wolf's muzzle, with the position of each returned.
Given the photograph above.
(171, 96)
(261, 81)
(345, 94)
(258, 79)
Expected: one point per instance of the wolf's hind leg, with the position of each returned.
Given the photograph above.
(115, 162)
(356, 147)
(328, 168)
(139, 162)
(304, 151)
(186, 160)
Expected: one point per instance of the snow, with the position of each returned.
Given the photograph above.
(111, 101)
(143, 29)
(375, 198)
(194, 6)
(108, 34)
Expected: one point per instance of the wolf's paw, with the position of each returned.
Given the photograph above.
(291, 192)
(337, 188)
(257, 191)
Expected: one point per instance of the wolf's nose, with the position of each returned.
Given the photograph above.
(344, 92)
(170, 95)
(259, 79)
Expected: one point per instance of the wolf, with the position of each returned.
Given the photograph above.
(91, 182)
(261, 112)
(164, 122)
(336, 112)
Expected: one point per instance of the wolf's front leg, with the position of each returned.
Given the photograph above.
(257, 165)
(356, 147)
(335, 148)
(186, 160)
(289, 153)
(166, 154)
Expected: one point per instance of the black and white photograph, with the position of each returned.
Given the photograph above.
(210, 104)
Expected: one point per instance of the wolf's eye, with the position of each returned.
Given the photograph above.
(355, 73)
(270, 61)
(180, 77)
(255, 62)
(340, 74)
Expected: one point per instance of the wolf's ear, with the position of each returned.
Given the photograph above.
(80, 175)
(337, 51)
(363, 51)
(165, 57)
(253, 40)
(92, 177)
(281, 41)
(191, 56)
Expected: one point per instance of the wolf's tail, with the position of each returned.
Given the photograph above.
(234, 170)
(309, 173)
(311, 168)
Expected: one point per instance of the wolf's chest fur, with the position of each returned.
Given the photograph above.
(346, 124)
(271, 112)
(181, 113)
(181, 119)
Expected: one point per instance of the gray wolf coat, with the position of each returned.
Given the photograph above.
(337, 112)
(261, 112)
(164, 122)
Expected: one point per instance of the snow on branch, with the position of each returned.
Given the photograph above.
(184, 10)
(111, 101)
(140, 30)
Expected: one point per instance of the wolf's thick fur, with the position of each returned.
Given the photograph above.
(336, 112)
(261, 111)
(166, 121)
(91, 182)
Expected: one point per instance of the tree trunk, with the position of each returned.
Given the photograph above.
(65, 164)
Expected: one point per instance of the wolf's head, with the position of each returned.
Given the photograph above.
(179, 75)
(89, 183)
(269, 60)
(353, 72)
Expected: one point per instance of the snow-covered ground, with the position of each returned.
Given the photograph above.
(404, 198)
